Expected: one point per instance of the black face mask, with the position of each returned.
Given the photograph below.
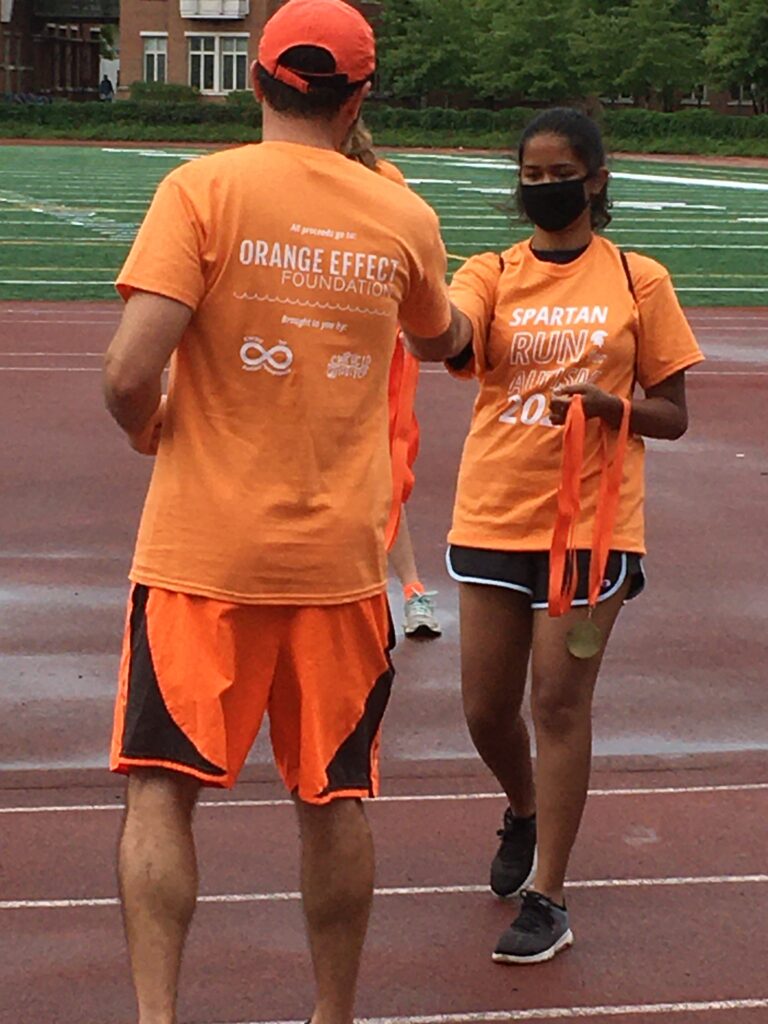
(554, 206)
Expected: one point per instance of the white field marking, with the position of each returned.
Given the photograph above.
(157, 153)
(558, 1013)
(678, 179)
(410, 890)
(70, 241)
(469, 216)
(638, 204)
(106, 284)
(715, 230)
(639, 243)
(25, 268)
(741, 787)
(439, 181)
(507, 162)
(657, 179)
(718, 289)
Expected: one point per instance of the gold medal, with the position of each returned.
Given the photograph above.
(584, 640)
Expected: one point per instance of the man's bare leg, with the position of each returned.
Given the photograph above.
(158, 885)
(337, 866)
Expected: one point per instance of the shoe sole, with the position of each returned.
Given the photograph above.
(523, 885)
(565, 940)
(422, 632)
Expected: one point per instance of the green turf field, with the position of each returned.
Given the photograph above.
(68, 214)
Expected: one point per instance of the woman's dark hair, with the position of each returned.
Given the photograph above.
(328, 92)
(583, 136)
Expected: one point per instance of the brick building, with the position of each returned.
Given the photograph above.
(51, 47)
(208, 44)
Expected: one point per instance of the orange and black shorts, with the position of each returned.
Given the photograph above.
(197, 676)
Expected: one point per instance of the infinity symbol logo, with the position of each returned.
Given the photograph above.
(276, 360)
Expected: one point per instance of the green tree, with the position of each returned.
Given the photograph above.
(696, 12)
(425, 46)
(525, 50)
(602, 46)
(108, 42)
(642, 49)
(737, 47)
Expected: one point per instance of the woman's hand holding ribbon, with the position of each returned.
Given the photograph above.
(595, 401)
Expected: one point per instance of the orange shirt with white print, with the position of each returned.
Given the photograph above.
(272, 479)
(536, 325)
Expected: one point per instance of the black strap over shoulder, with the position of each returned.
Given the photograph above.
(628, 272)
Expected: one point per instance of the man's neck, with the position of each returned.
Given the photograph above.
(319, 133)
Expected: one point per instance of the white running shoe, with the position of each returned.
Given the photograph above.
(419, 616)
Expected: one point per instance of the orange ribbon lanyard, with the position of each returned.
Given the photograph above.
(563, 573)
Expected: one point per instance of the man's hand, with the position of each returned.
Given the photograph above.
(147, 441)
(596, 402)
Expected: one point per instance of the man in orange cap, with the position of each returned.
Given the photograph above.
(273, 277)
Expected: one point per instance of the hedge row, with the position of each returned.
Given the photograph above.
(73, 115)
(239, 119)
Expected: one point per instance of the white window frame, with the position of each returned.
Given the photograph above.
(692, 101)
(219, 87)
(155, 37)
(745, 97)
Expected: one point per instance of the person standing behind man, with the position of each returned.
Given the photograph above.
(274, 277)
(419, 619)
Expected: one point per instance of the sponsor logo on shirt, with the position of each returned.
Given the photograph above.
(276, 360)
(349, 364)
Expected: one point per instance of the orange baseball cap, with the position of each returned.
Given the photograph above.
(331, 25)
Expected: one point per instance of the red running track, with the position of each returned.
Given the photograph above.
(668, 887)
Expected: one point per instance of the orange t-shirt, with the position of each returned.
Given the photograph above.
(272, 480)
(536, 325)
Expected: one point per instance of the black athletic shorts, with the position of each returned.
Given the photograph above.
(528, 572)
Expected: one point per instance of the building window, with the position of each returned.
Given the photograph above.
(234, 63)
(218, 63)
(155, 58)
(699, 97)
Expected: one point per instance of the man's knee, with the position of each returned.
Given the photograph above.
(159, 792)
(340, 817)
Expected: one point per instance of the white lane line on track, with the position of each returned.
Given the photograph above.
(53, 355)
(50, 369)
(51, 322)
(414, 890)
(97, 369)
(559, 1013)
(743, 787)
(690, 373)
(424, 369)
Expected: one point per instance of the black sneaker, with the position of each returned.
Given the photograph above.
(514, 865)
(537, 934)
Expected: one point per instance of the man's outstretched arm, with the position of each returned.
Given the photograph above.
(450, 343)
